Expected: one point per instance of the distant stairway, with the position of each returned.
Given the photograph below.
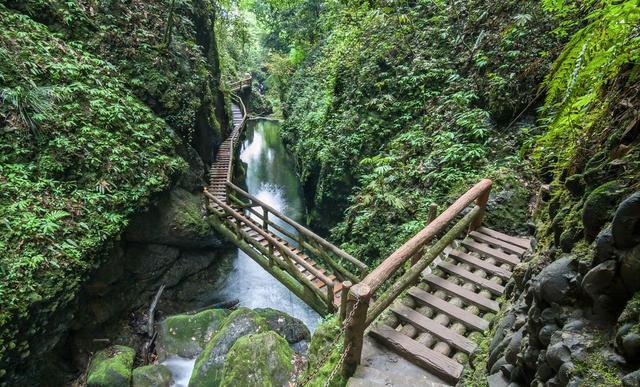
(457, 297)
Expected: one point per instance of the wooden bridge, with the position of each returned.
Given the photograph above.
(423, 302)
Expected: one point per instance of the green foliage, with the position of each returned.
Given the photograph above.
(100, 155)
(385, 120)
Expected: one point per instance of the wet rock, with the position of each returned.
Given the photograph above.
(630, 269)
(598, 208)
(631, 379)
(208, 370)
(626, 222)
(149, 261)
(565, 372)
(544, 372)
(575, 185)
(178, 220)
(189, 263)
(503, 328)
(598, 280)
(544, 335)
(513, 348)
(556, 283)
(497, 380)
(187, 335)
(111, 367)
(292, 329)
(631, 346)
(498, 365)
(263, 359)
(557, 354)
(155, 375)
(604, 246)
(498, 351)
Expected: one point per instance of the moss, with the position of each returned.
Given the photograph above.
(599, 206)
(631, 311)
(155, 375)
(190, 218)
(187, 335)
(263, 359)
(111, 367)
(322, 343)
(595, 371)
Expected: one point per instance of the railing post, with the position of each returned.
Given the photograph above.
(433, 213)
(357, 307)
(265, 219)
(344, 294)
(481, 202)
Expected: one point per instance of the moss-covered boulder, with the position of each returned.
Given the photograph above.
(598, 208)
(155, 375)
(292, 329)
(208, 370)
(187, 335)
(264, 359)
(111, 367)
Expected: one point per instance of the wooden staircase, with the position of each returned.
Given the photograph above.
(309, 266)
(457, 295)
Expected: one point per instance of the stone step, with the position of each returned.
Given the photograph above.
(393, 379)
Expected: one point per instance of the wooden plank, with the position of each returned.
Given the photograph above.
(490, 252)
(480, 264)
(442, 366)
(521, 242)
(468, 319)
(425, 324)
(459, 291)
(471, 277)
(506, 246)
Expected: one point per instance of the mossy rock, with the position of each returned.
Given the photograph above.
(208, 370)
(111, 367)
(263, 359)
(292, 329)
(187, 335)
(598, 208)
(322, 342)
(155, 375)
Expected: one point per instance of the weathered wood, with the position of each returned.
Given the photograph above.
(471, 277)
(522, 242)
(346, 286)
(425, 324)
(506, 246)
(357, 306)
(413, 274)
(466, 318)
(480, 264)
(490, 252)
(459, 291)
(395, 260)
(444, 367)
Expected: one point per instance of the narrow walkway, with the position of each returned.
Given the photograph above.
(251, 225)
(431, 327)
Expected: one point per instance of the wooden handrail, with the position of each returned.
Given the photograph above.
(300, 229)
(390, 265)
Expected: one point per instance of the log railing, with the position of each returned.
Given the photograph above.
(275, 222)
(421, 251)
(237, 85)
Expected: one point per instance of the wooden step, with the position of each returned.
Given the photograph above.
(490, 252)
(458, 291)
(468, 319)
(521, 242)
(425, 324)
(480, 264)
(442, 366)
(471, 277)
(508, 247)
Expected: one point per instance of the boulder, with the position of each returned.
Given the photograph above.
(604, 246)
(263, 359)
(208, 370)
(631, 379)
(626, 222)
(556, 283)
(598, 208)
(599, 279)
(177, 220)
(111, 367)
(292, 329)
(155, 375)
(187, 335)
(631, 346)
(575, 185)
(630, 269)
(513, 348)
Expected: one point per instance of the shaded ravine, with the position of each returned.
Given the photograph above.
(271, 177)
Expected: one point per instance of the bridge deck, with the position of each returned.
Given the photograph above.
(220, 175)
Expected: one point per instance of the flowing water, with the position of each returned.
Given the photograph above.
(271, 177)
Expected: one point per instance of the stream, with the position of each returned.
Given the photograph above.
(271, 177)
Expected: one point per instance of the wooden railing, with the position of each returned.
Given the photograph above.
(421, 251)
(237, 85)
